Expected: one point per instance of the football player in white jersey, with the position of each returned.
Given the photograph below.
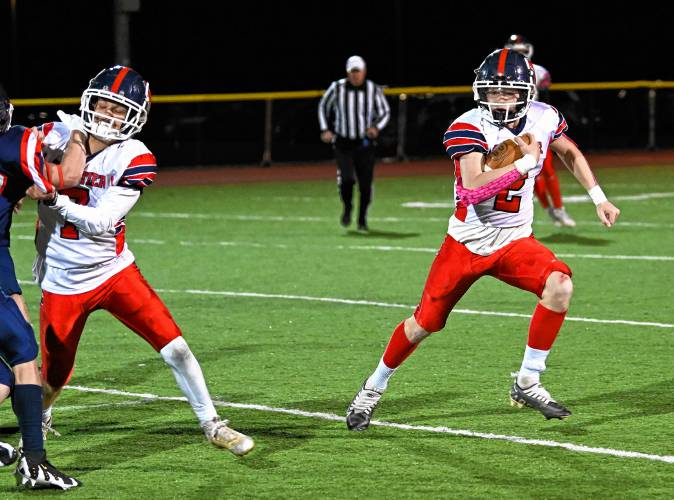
(83, 262)
(547, 187)
(490, 230)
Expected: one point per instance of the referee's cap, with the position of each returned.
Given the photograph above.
(356, 63)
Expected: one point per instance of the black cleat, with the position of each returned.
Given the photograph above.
(362, 227)
(33, 474)
(8, 454)
(359, 413)
(538, 398)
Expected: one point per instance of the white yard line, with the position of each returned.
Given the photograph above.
(335, 300)
(378, 248)
(421, 428)
(59, 409)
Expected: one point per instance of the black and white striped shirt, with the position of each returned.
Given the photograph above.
(355, 109)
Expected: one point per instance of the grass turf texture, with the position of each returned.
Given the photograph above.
(313, 356)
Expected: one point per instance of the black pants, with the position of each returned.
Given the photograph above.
(355, 162)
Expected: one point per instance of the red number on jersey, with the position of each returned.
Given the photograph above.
(81, 197)
(506, 202)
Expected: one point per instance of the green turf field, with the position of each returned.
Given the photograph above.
(281, 349)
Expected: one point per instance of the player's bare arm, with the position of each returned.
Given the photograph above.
(74, 161)
(577, 164)
(64, 169)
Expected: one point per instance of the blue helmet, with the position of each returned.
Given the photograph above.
(6, 110)
(121, 85)
(504, 69)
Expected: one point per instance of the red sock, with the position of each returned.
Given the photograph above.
(541, 192)
(398, 348)
(544, 327)
(552, 183)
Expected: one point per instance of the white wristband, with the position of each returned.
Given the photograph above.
(524, 164)
(597, 195)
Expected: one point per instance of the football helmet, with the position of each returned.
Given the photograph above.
(504, 69)
(520, 44)
(6, 110)
(121, 85)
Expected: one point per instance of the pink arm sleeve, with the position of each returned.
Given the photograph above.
(474, 196)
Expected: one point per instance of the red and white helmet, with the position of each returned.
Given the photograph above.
(520, 44)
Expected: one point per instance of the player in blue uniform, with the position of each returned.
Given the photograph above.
(21, 165)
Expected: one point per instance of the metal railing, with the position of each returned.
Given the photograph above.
(402, 137)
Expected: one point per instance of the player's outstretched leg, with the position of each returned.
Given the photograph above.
(190, 379)
(403, 342)
(546, 322)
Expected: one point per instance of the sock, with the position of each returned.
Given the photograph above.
(27, 405)
(543, 330)
(544, 327)
(190, 378)
(553, 188)
(379, 379)
(398, 348)
(533, 365)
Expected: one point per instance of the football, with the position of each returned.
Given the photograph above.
(505, 153)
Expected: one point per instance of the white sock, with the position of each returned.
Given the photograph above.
(190, 378)
(379, 379)
(533, 365)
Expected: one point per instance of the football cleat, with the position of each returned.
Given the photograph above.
(535, 396)
(359, 412)
(222, 436)
(36, 475)
(561, 218)
(8, 454)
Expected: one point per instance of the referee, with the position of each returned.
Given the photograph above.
(351, 113)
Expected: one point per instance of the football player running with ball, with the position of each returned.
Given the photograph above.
(490, 230)
(83, 262)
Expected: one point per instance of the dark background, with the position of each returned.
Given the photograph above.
(52, 49)
(200, 46)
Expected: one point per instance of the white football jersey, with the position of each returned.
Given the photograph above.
(512, 207)
(75, 251)
(543, 78)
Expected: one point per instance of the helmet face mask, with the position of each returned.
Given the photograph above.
(508, 73)
(122, 86)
